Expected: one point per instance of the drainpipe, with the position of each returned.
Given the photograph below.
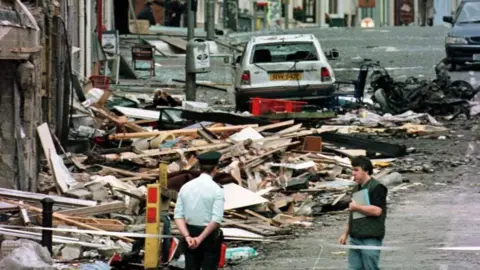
(109, 14)
(391, 8)
(99, 20)
(81, 31)
(416, 9)
(88, 37)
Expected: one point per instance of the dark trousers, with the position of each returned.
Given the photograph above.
(207, 255)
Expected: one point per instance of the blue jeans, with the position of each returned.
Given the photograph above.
(363, 259)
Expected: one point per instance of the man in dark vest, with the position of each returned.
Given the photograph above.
(367, 229)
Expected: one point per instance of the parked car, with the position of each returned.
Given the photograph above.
(462, 43)
(290, 67)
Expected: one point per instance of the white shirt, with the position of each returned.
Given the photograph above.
(200, 201)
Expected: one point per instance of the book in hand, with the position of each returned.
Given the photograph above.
(360, 197)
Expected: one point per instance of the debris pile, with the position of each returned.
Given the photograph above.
(276, 176)
(407, 123)
(440, 96)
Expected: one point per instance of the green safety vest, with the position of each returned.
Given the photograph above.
(368, 227)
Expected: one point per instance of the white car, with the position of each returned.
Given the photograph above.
(290, 67)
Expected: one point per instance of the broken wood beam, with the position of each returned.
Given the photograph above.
(64, 218)
(24, 215)
(36, 197)
(289, 130)
(192, 131)
(280, 148)
(268, 220)
(111, 207)
(158, 152)
(228, 222)
(109, 117)
(112, 225)
(129, 173)
(276, 125)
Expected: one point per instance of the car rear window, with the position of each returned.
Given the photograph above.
(284, 52)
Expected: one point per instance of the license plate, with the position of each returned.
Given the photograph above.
(476, 57)
(285, 76)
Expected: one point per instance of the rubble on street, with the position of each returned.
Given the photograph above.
(439, 96)
(277, 175)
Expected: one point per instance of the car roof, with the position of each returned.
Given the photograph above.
(282, 38)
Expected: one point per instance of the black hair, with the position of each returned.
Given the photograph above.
(207, 168)
(363, 162)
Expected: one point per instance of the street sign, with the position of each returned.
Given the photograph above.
(367, 23)
(366, 3)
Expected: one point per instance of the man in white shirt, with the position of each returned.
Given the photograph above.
(199, 213)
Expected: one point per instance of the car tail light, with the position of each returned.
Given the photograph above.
(246, 77)
(325, 73)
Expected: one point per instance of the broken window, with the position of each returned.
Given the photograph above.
(284, 52)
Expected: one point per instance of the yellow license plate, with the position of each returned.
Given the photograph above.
(285, 76)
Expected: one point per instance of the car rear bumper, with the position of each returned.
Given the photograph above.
(457, 53)
(243, 96)
(300, 92)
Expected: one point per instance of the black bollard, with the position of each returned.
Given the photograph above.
(47, 235)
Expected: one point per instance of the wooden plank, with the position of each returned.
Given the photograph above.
(24, 216)
(382, 173)
(339, 197)
(353, 152)
(129, 173)
(139, 113)
(268, 220)
(36, 197)
(240, 233)
(185, 132)
(112, 225)
(47, 142)
(176, 42)
(239, 197)
(247, 227)
(56, 239)
(65, 219)
(235, 214)
(111, 207)
(106, 115)
(243, 239)
(62, 175)
(289, 130)
(153, 153)
(276, 125)
(270, 152)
